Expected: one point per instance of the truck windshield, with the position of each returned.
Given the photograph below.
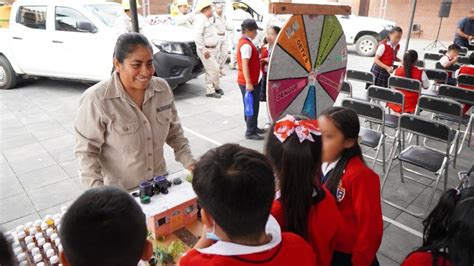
(109, 13)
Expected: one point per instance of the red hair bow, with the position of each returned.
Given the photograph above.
(303, 128)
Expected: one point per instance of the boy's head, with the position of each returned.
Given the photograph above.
(453, 50)
(104, 226)
(249, 28)
(235, 187)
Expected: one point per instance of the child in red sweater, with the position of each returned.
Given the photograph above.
(235, 187)
(448, 234)
(354, 185)
(265, 53)
(303, 207)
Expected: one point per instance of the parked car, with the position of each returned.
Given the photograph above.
(75, 40)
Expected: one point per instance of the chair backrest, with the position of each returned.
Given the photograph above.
(361, 76)
(404, 84)
(442, 51)
(346, 88)
(371, 111)
(467, 80)
(437, 75)
(385, 95)
(458, 94)
(452, 68)
(416, 27)
(425, 127)
(463, 51)
(440, 106)
(420, 63)
(464, 60)
(432, 56)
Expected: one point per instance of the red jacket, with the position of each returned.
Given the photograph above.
(264, 54)
(254, 63)
(292, 250)
(424, 258)
(411, 98)
(323, 225)
(358, 200)
(390, 54)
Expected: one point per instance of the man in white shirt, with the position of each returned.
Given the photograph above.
(220, 22)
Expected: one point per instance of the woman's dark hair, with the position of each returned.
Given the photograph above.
(449, 228)
(276, 29)
(127, 43)
(409, 60)
(298, 167)
(347, 122)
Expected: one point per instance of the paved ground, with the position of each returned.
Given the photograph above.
(39, 171)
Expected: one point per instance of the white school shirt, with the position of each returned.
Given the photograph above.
(246, 50)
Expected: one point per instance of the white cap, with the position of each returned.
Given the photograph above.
(21, 257)
(30, 246)
(21, 234)
(37, 258)
(41, 241)
(49, 232)
(44, 226)
(54, 259)
(18, 251)
(50, 252)
(28, 239)
(54, 236)
(38, 236)
(35, 251)
(47, 247)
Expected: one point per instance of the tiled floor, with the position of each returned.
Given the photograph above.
(38, 170)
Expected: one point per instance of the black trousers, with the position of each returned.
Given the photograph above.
(251, 121)
(345, 259)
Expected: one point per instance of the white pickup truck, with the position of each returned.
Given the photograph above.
(69, 39)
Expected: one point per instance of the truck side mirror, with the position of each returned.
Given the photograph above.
(85, 26)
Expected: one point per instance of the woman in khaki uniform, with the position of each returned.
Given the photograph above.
(124, 121)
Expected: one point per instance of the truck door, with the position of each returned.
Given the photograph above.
(82, 50)
(29, 39)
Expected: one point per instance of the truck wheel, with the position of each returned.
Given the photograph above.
(8, 76)
(366, 45)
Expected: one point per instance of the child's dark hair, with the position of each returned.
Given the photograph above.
(298, 168)
(454, 47)
(396, 29)
(276, 29)
(347, 122)
(104, 226)
(409, 60)
(127, 43)
(449, 228)
(6, 253)
(236, 186)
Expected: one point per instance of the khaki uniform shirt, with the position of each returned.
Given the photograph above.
(205, 33)
(220, 22)
(184, 20)
(119, 144)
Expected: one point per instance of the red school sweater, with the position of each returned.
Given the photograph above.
(292, 250)
(424, 258)
(358, 201)
(324, 223)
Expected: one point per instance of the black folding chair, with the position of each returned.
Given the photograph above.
(401, 83)
(437, 75)
(381, 94)
(360, 76)
(464, 96)
(423, 157)
(464, 60)
(374, 139)
(432, 56)
(463, 51)
(451, 69)
(346, 88)
(465, 80)
(442, 109)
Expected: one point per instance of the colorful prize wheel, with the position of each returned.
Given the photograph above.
(307, 66)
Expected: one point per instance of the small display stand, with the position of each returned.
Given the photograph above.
(166, 213)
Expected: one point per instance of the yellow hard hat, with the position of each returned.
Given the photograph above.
(182, 3)
(203, 4)
(126, 4)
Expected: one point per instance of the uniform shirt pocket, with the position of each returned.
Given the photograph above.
(127, 135)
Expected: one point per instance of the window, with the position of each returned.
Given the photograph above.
(161, 221)
(67, 18)
(32, 17)
(189, 209)
(177, 212)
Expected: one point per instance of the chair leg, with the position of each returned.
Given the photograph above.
(436, 187)
(376, 156)
(446, 175)
(391, 159)
(465, 135)
(402, 178)
(383, 154)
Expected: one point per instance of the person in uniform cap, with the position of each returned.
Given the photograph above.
(207, 42)
(220, 22)
(184, 18)
(124, 22)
